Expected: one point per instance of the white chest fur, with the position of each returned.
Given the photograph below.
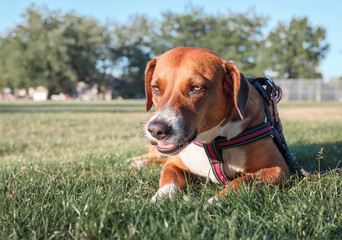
(195, 158)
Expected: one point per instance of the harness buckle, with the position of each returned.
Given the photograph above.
(278, 93)
(270, 82)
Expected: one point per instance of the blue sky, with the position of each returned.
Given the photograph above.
(324, 13)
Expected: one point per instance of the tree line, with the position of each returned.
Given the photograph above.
(56, 50)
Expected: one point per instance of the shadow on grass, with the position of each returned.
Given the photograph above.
(308, 156)
(73, 108)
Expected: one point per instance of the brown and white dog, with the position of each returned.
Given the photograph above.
(198, 97)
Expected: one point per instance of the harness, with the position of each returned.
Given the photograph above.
(271, 95)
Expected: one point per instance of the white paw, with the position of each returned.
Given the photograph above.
(211, 200)
(138, 163)
(167, 191)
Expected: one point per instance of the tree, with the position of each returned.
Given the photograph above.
(236, 36)
(87, 44)
(131, 51)
(52, 50)
(295, 50)
(57, 50)
(35, 54)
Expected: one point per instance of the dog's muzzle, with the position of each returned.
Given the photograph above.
(168, 141)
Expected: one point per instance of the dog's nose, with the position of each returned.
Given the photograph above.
(159, 129)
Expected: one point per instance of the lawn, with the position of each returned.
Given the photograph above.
(64, 175)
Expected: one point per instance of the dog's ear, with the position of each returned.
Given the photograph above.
(148, 78)
(238, 84)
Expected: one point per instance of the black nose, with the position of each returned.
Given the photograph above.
(159, 129)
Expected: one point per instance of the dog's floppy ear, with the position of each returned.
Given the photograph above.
(238, 83)
(148, 78)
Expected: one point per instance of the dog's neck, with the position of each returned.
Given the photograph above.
(233, 126)
(229, 130)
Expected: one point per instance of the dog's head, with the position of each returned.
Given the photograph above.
(194, 90)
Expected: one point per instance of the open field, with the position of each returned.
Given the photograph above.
(63, 175)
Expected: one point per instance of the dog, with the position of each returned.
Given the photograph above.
(199, 96)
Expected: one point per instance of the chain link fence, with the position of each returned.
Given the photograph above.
(310, 89)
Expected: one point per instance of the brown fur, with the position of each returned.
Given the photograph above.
(180, 68)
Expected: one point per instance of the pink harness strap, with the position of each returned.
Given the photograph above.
(246, 137)
(215, 161)
(214, 149)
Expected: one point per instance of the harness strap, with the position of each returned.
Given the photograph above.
(214, 149)
(216, 162)
(247, 136)
(271, 127)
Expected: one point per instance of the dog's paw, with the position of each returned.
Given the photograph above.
(212, 200)
(167, 191)
(137, 163)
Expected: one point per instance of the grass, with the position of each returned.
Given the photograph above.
(63, 175)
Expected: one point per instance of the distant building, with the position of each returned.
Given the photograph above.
(39, 94)
(83, 92)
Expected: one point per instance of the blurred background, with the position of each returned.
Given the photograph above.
(98, 50)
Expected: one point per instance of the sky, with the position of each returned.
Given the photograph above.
(327, 14)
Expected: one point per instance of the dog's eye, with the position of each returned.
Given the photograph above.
(155, 89)
(196, 89)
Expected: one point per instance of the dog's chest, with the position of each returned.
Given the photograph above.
(195, 158)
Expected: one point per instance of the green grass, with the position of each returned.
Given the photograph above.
(63, 175)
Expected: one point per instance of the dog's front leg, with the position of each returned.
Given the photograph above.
(172, 179)
(153, 156)
(275, 176)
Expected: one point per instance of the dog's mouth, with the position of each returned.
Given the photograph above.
(171, 149)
